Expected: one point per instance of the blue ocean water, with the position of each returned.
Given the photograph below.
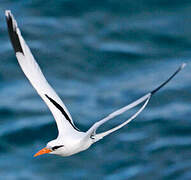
(99, 56)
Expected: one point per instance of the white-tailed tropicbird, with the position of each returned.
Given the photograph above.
(70, 139)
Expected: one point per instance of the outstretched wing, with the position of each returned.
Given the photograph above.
(92, 131)
(34, 74)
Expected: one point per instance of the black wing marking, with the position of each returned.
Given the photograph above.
(13, 33)
(62, 111)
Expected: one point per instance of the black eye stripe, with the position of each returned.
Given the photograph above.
(56, 147)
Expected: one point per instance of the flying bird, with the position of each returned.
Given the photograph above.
(70, 139)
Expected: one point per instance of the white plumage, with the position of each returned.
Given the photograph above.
(70, 139)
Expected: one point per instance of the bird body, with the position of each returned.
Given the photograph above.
(70, 139)
(72, 144)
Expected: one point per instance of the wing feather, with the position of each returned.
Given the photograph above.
(34, 74)
(92, 131)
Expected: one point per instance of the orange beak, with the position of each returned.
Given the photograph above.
(43, 151)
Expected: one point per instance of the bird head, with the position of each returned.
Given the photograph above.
(52, 147)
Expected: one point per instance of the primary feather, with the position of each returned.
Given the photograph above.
(33, 72)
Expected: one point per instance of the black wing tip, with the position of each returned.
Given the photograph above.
(171, 77)
(8, 13)
(13, 34)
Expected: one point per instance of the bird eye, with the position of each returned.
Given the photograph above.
(56, 147)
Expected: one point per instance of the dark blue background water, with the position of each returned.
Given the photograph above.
(99, 56)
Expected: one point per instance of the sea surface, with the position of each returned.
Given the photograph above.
(99, 55)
